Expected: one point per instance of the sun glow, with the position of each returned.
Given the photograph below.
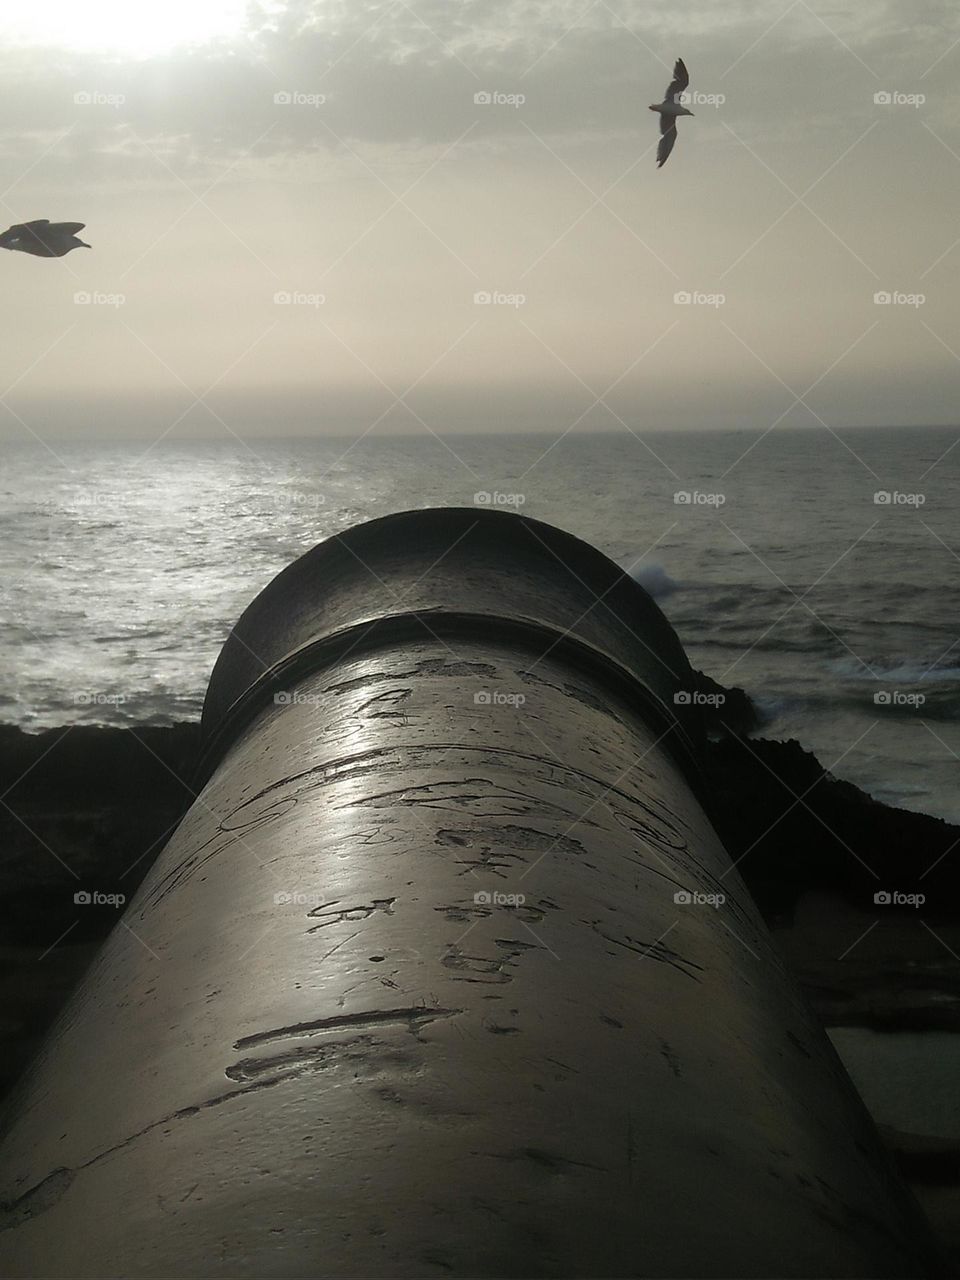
(134, 27)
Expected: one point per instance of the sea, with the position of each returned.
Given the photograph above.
(818, 570)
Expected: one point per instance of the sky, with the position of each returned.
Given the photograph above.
(342, 217)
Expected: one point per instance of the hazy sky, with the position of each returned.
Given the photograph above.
(333, 153)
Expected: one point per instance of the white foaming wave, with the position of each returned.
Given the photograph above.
(907, 669)
(654, 579)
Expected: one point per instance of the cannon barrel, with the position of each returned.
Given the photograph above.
(446, 971)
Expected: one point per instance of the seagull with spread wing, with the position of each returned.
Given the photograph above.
(669, 109)
(43, 238)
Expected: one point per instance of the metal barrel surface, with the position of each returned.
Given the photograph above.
(446, 971)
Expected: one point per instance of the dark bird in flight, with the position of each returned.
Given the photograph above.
(43, 238)
(669, 109)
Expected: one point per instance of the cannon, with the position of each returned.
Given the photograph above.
(446, 972)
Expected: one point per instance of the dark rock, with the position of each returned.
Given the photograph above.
(923, 1158)
(84, 809)
(791, 827)
(726, 711)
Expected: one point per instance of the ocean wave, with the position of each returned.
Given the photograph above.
(886, 702)
(907, 669)
(736, 595)
(655, 580)
(741, 642)
(126, 636)
(768, 707)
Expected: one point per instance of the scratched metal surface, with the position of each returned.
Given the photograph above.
(387, 1076)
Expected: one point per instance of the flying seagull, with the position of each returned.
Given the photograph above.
(669, 109)
(43, 238)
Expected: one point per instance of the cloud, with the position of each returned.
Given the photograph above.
(379, 181)
(393, 73)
